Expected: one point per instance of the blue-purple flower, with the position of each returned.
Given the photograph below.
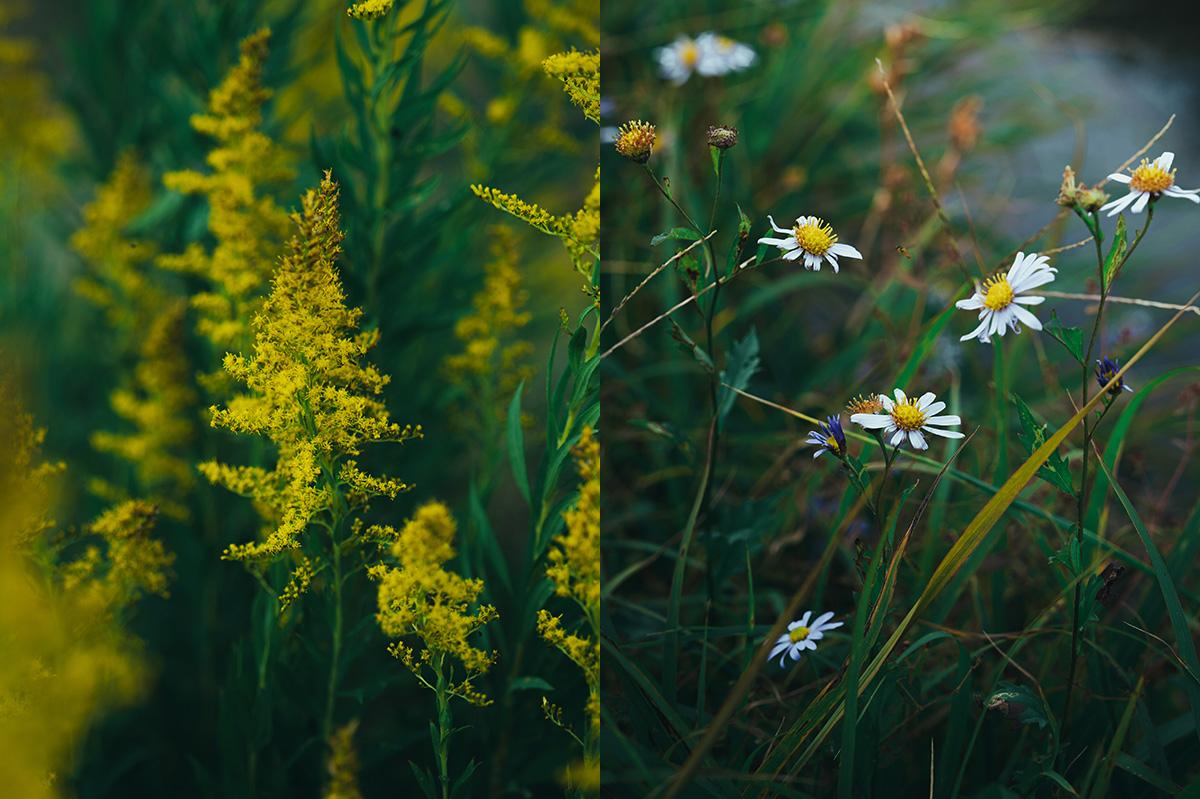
(829, 437)
(1106, 370)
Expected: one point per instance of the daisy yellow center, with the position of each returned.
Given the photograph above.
(1151, 177)
(815, 236)
(831, 443)
(689, 55)
(799, 634)
(998, 293)
(907, 416)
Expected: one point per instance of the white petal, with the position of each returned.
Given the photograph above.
(978, 332)
(972, 303)
(1140, 205)
(886, 402)
(845, 250)
(1028, 319)
(831, 626)
(794, 654)
(871, 421)
(901, 397)
(943, 420)
(898, 438)
(1182, 194)
(937, 431)
(833, 262)
(1029, 300)
(1120, 204)
(925, 400)
(783, 244)
(917, 440)
(1032, 281)
(1165, 160)
(793, 255)
(1120, 177)
(776, 227)
(824, 617)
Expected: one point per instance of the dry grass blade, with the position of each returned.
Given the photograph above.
(624, 300)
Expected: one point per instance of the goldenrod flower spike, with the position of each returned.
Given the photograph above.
(247, 224)
(369, 10)
(309, 391)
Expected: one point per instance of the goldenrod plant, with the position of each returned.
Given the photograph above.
(219, 415)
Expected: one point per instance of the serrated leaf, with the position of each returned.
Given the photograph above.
(743, 363)
(1069, 337)
(676, 234)
(1055, 470)
(1019, 703)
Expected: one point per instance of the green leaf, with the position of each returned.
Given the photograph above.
(742, 364)
(715, 154)
(1019, 703)
(1116, 253)
(529, 684)
(1055, 471)
(691, 347)
(516, 444)
(497, 566)
(676, 234)
(1069, 337)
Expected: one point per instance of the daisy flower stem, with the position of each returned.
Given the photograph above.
(687, 217)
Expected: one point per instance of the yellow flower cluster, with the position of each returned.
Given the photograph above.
(34, 130)
(157, 401)
(580, 75)
(552, 25)
(118, 281)
(370, 9)
(298, 584)
(309, 392)
(493, 361)
(64, 661)
(343, 764)
(158, 406)
(421, 599)
(579, 231)
(246, 223)
(575, 555)
(575, 571)
(133, 564)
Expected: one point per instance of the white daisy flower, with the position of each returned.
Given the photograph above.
(1148, 181)
(1000, 299)
(801, 636)
(720, 55)
(709, 54)
(904, 418)
(678, 60)
(813, 240)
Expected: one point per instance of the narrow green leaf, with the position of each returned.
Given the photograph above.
(1116, 253)
(516, 444)
(676, 234)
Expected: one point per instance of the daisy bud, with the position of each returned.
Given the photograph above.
(722, 136)
(1092, 199)
(635, 141)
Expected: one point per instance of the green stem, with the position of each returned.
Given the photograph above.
(444, 721)
(335, 652)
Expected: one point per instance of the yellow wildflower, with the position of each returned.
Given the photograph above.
(421, 599)
(370, 9)
(310, 393)
(575, 555)
(579, 232)
(342, 764)
(137, 564)
(635, 141)
(297, 585)
(158, 406)
(574, 569)
(493, 361)
(35, 130)
(246, 223)
(65, 663)
(580, 75)
(118, 282)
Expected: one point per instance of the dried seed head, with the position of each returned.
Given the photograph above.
(722, 136)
